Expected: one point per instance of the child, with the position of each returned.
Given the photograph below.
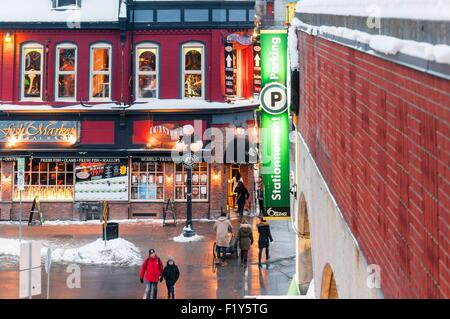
(171, 273)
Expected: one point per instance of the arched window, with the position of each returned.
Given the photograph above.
(66, 72)
(329, 287)
(32, 75)
(100, 73)
(193, 70)
(147, 71)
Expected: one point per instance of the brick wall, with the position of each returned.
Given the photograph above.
(379, 133)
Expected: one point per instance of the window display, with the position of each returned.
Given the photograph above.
(147, 71)
(49, 181)
(193, 71)
(32, 65)
(199, 182)
(147, 181)
(101, 72)
(66, 72)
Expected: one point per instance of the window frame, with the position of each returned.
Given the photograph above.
(28, 182)
(183, 174)
(23, 73)
(57, 6)
(140, 46)
(92, 72)
(193, 45)
(147, 174)
(66, 45)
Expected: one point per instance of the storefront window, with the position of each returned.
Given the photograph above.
(147, 181)
(100, 72)
(200, 182)
(147, 71)
(66, 72)
(32, 65)
(48, 181)
(193, 71)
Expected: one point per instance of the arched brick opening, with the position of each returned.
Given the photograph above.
(329, 288)
(305, 270)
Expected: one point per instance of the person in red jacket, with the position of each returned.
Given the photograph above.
(152, 269)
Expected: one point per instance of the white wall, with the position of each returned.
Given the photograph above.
(331, 239)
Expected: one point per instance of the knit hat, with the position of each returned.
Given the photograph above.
(151, 251)
(170, 258)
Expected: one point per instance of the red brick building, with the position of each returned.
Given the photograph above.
(96, 101)
(374, 132)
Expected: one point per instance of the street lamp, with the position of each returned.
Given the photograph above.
(189, 160)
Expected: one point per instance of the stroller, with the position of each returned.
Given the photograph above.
(232, 249)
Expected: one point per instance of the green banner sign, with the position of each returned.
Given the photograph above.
(275, 125)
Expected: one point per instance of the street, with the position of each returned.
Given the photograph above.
(200, 277)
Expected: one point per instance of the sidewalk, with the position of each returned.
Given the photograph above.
(200, 278)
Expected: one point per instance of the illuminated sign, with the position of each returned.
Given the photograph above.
(275, 125)
(39, 131)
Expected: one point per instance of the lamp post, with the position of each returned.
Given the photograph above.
(189, 149)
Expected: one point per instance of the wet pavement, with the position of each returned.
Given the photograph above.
(200, 277)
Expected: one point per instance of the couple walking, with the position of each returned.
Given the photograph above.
(152, 271)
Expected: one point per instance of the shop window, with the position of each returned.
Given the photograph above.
(100, 77)
(147, 181)
(169, 15)
(219, 15)
(66, 72)
(196, 15)
(200, 182)
(32, 65)
(147, 71)
(193, 70)
(238, 15)
(48, 181)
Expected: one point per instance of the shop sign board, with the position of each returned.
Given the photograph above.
(275, 124)
(39, 131)
(21, 174)
(229, 69)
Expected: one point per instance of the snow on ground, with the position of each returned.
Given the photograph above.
(439, 53)
(98, 222)
(436, 10)
(116, 252)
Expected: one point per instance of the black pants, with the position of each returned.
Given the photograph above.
(170, 290)
(241, 208)
(244, 255)
(261, 251)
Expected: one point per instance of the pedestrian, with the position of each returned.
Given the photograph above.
(242, 194)
(265, 237)
(245, 237)
(151, 271)
(260, 192)
(171, 273)
(222, 227)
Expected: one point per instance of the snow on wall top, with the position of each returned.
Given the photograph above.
(434, 10)
(42, 11)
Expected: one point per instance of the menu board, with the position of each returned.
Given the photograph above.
(98, 181)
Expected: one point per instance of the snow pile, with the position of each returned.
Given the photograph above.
(311, 293)
(182, 239)
(293, 47)
(439, 53)
(118, 252)
(435, 10)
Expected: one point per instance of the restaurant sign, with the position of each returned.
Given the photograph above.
(39, 131)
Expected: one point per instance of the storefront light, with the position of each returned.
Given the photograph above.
(197, 146)
(240, 130)
(12, 141)
(8, 38)
(72, 139)
(181, 147)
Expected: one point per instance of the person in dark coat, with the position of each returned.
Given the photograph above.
(242, 195)
(171, 274)
(245, 238)
(265, 237)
